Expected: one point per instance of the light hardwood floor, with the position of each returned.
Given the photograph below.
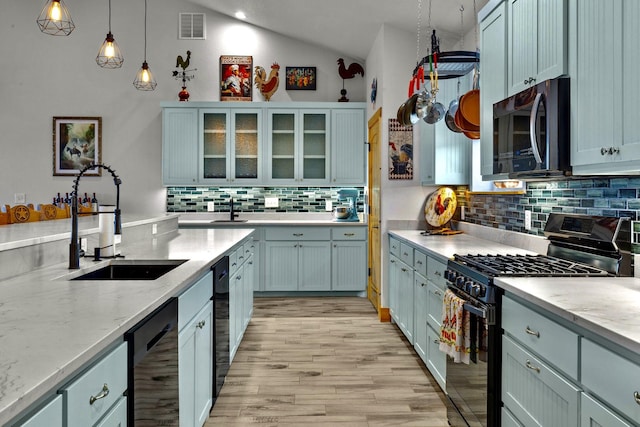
(326, 362)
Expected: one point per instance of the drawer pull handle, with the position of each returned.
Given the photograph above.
(201, 324)
(437, 273)
(349, 234)
(422, 284)
(239, 278)
(532, 332)
(436, 341)
(403, 269)
(405, 254)
(438, 293)
(104, 393)
(636, 396)
(419, 262)
(298, 234)
(533, 368)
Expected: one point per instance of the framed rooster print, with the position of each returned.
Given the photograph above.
(300, 78)
(77, 142)
(236, 78)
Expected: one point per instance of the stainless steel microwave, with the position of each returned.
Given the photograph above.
(531, 132)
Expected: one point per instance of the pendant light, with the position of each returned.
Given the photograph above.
(109, 55)
(144, 79)
(55, 19)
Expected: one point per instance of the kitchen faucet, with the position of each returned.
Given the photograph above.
(232, 214)
(74, 250)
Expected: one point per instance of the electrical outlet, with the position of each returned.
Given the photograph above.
(211, 206)
(20, 198)
(527, 220)
(154, 228)
(270, 202)
(328, 206)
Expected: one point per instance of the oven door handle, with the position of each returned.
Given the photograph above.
(475, 310)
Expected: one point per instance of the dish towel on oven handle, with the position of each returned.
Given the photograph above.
(454, 331)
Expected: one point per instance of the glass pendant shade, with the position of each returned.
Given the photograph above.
(144, 79)
(55, 19)
(109, 55)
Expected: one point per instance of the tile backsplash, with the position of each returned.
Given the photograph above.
(252, 199)
(606, 196)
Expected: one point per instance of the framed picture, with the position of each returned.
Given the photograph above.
(301, 78)
(400, 150)
(236, 78)
(77, 142)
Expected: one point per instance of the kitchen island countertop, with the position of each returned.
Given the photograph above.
(52, 326)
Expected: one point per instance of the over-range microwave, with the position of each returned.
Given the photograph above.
(531, 132)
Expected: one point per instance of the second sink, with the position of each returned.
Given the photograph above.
(132, 270)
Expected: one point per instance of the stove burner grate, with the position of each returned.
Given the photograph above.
(528, 265)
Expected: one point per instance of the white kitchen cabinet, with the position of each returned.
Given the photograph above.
(420, 315)
(195, 352)
(179, 146)
(401, 288)
(241, 285)
(445, 156)
(230, 144)
(436, 360)
(534, 392)
(116, 417)
(593, 413)
(537, 42)
(298, 148)
(50, 415)
(348, 266)
(348, 149)
(605, 134)
(493, 81)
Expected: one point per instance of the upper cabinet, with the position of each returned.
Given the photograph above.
(298, 148)
(605, 132)
(445, 156)
(537, 42)
(251, 143)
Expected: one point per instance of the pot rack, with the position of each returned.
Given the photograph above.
(451, 64)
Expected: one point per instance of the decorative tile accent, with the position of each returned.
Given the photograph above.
(251, 199)
(615, 197)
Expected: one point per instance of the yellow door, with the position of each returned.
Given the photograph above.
(374, 172)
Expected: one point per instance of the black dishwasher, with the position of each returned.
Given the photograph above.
(153, 387)
(221, 327)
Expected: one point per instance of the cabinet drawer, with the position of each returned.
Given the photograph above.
(406, 254)
(420, 262)
(109, 373)
(534, 392)
(292, 233)
(349, 233)
(394, 246)
(595, 414)
(435, 272)
(550, 340)
(48, 416)
(249, 248)
(434, 300)
(233, 260)
(117, 416)
(193, 299)
(613, 378)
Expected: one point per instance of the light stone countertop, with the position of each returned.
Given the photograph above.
(50, 326)
(607, 306)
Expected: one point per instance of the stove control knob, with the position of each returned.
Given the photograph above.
(449, 275)
(482, 291)
(460, 282)
(475, 290)
(468, 287)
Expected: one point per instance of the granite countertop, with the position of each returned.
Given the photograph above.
(51, 327)
(249, 219)
(606, 306)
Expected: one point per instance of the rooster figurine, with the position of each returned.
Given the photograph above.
(349, 73)
(267, 87)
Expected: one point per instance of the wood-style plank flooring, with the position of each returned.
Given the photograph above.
(326, 362)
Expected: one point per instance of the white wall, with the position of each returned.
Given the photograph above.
(46, 76)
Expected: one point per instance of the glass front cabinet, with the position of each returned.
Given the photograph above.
(230, 146)
(298, 147)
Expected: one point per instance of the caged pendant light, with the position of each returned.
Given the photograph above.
(109, 55)
(144, 79)
(55, 19)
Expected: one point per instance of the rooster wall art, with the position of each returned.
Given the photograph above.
(267, 86)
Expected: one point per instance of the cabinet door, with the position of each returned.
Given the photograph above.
(117, 416)
(215, 143)
(436, 360)
(435, 296)
(405, 308)
(537, 42)
(246, 167)
(313, 163)
(314, 266)
(348, 149)
(420, 316)
(394, 278)
(281, 266)
(282, 150)
(179, 146)
(595, 414)
(249, 277)
(49, 416)
(187, 373)
(236, 311)
(349, 266)
(493, 72)
(535, 393)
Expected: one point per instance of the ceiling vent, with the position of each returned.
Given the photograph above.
(192, 26)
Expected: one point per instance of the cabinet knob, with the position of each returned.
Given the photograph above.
(104, 393)
(436, 341)
(201, 324)
(529, 80)
(532, 332)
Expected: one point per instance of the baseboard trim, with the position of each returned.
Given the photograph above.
(384, 315)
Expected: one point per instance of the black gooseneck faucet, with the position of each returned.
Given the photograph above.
(74, 246)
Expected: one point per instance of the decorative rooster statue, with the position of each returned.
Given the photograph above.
(349, 73)
(182, 62)
(267, 87)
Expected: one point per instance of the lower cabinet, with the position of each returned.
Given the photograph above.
(117, 416)
(349, 259)
(593, 413)
(241, 285)
(420, 293)
(50, 415)
(436, 360)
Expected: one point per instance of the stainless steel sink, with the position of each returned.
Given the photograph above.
(132, 270)
(229, 221)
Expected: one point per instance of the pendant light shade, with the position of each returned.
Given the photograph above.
(144, 79)
(55, 19)
(109, 55)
